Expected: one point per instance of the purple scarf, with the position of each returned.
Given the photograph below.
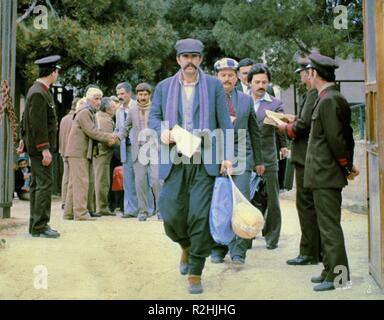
(173, 100)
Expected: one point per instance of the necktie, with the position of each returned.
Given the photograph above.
(230, 106)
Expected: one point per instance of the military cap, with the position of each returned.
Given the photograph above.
(226, 63)
(189, 46)
(49, 62)
(143, 87)
(322, 63)
(303, 63)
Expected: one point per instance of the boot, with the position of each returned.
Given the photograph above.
(183, 267)
(195, 286)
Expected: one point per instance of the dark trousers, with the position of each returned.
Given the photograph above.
(328, 209)
(40, 195)
(184, 205)
(310, 233)
(238, 246)
(272, 224)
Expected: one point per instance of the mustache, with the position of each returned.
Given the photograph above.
(190, 65)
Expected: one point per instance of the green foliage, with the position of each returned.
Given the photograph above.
(102, 41)
(108, 41)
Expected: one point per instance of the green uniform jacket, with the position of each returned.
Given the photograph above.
(40, 121)
(331, 144)
(299, 130)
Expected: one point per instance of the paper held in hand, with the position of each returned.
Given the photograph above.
(186, 142)
(275, 118)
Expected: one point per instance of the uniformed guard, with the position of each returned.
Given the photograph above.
(40, 128)
(247, 150)
(328, 166)
(194, 101)
(298, 132)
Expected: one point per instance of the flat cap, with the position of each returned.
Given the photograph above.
(303, 63)
(189, 46)
(226, 63)
(320, 62)
(143, 87)
(49, 62)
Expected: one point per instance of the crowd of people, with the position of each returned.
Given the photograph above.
(102, 133)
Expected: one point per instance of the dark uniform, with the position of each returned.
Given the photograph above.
(329, 161)
(40, 131)
(299, 132)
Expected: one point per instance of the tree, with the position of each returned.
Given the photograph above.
(276, 30)
(196, 19)
(101, 41)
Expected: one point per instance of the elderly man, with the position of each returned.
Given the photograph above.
(298, 132)
(259, 77)
(102, 157)
(196, 102)
(131, 207)
(328, 167)
(247, 149)
(79, 151)
(39, 133)
(144, 168)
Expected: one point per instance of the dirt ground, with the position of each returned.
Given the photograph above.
(115, 258)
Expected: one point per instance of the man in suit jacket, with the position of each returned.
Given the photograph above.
(40, 129)
(298, 132)
(259, 78)
(247, 149)
(242, 73)
(131, 206)
(101, 160)
(79, 152)
(145, 169)
(65, 128)
(196, 102)
(328, 166)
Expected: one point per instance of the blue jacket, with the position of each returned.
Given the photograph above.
(218, 119)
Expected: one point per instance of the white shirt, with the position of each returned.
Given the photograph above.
(245, 88)
(266, 97)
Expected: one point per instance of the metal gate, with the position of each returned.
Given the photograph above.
(8, 13)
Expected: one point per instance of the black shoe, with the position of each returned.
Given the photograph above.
(94, 214)
(128, 215)
(49, 233)
(318, 279)
(324, 286)
(142, 216)
(271, 246)
(237, 260)
(302, 260)
(217, 259)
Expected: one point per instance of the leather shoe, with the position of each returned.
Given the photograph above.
(324, 286)
(128, 215)
(217, 259)
(85, 217)
(106, 213)
(237, 260)
(94, 214)
(195, 286)
(183, 267)
(318, 279)
(271, 246)
(302, 260)
(49, 233)
(142, 216)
